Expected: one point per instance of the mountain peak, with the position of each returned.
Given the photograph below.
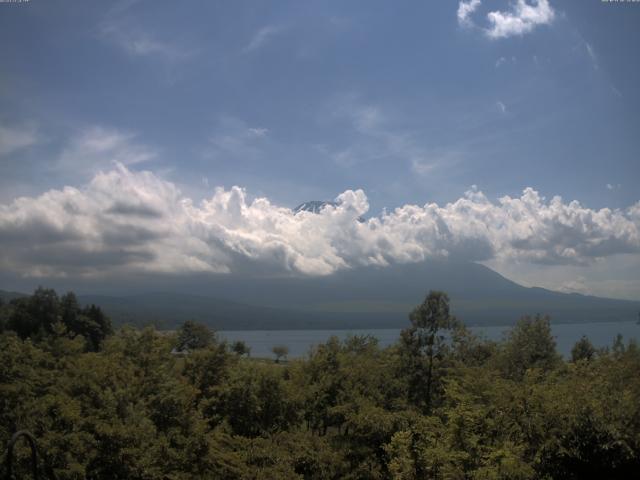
(314, 206)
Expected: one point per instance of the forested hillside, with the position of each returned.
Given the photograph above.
(440, 404)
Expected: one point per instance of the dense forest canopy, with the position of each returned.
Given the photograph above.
(441, 403)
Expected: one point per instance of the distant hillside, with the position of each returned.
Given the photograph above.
(8, 296)
(384, 296)
(368, 297)
(168, 310)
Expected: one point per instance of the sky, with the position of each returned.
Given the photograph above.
(173, 138)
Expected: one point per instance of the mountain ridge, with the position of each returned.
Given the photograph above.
(365, 297)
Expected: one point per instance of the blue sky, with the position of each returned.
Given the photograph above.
(413, 103)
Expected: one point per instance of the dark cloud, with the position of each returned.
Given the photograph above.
(134, 210)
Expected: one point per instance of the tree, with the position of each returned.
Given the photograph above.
(618, 345)
(255, 400)
(94, 326)
(424, 346)
(280, 351)
(4, 314)
(241, 348)
(69, 309)
(35, 316)
(583, 350)
(90, 322)
(529, 345)
(44, 306)
(193, 335)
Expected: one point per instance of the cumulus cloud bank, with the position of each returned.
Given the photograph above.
(133, 222)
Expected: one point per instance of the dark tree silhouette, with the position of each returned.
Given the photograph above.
(193, 335)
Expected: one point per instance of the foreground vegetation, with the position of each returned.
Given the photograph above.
(440, 404)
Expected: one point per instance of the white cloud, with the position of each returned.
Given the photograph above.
(258, 132)
(592, 55)
(423, 167)
(502, 107)
(97, 148)
(427, 164)
(127, 222)
(502, 60)
(233, 137)
(16, 138)
(367, 118)
(465, 9)
(521, 19)
(138, 42)
(260, 38)
(376, 140)
(575, 285)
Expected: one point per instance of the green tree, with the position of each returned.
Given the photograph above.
(193, 335)
(69, 309)
(241, 348)
(256, 400)
(4, 315)
(618, 347)
(89, 322)
(35, 316)
(280, 351)
(583, 350)
(44, 306)
(320, 382)
(529, 344)
(94, 325)
(425, 345)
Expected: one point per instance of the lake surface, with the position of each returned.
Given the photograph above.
(300, 341)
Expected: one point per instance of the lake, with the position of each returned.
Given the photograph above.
(300, 341)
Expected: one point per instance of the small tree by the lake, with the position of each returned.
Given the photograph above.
(280, 351)
(241, 348)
